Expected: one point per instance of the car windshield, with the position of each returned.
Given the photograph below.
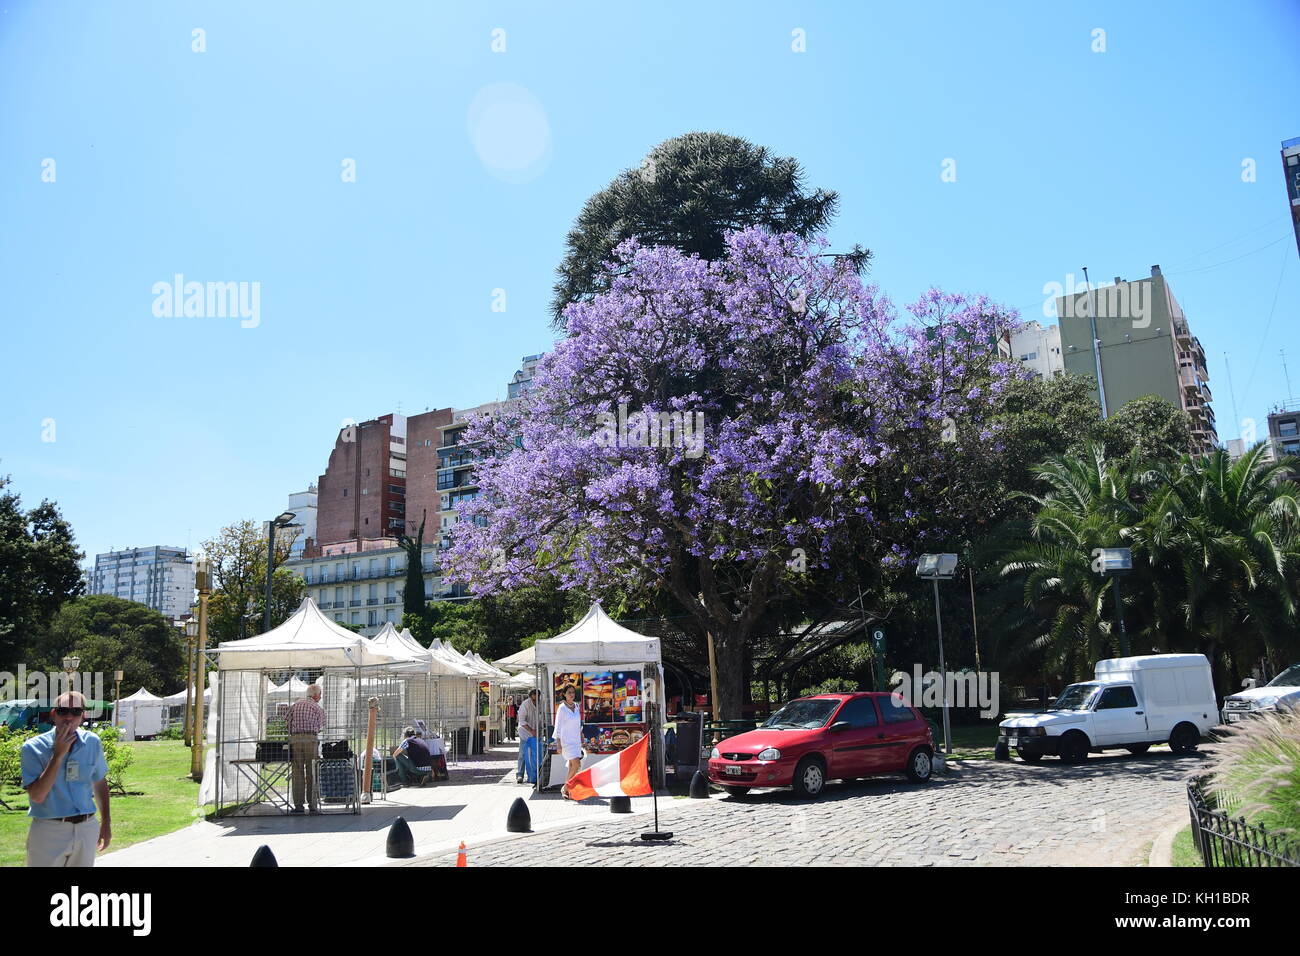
(1076, 697)
(803, 714)
(1288, 678)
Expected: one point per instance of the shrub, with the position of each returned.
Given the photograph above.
(1256, 772)
(174, 732)
(117, 754)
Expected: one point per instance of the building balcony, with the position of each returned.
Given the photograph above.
(372, 601)
(355, 603)
(1181, 330)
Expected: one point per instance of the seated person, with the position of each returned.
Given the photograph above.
(413, 758)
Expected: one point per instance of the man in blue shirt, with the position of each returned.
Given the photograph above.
(61, 767)
(414, 762)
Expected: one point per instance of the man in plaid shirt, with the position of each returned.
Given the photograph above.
(306, 721)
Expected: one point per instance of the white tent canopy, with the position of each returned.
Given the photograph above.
(401, 645)
(141, 715)
(524, 660)
(308, 639)
(458, 664)
(179, 696)
(141, 695)
(598, 639)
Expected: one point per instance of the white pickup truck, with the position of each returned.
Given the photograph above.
(1281, 693)
(1132, 703)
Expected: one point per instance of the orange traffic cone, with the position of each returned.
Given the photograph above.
(460, 855)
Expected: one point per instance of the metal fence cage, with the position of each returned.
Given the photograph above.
(251, 722)
(1222, 841)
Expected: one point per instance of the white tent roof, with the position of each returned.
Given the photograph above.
(142, 696)
(598, 639)
(494, 673)
(400, 644)
(307, 639)
(520, 682)
(179, 696)
(518, 661)
(457, 663)
(292, 686)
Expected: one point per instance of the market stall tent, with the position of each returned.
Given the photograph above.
(599, 643)
(524, 660)
(141, 715)
(308, 639)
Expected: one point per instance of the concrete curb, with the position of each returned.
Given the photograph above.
(1162, 850)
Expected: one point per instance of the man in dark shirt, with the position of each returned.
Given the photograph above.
(414, 762)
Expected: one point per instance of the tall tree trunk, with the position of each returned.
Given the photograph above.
(733, 677)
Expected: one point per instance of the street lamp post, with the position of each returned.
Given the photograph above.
(203, 582)
(283, 519)
(1112, 562)
(191, 638)
(937, 567)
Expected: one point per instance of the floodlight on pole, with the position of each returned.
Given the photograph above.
(1112, 562)
(280, 521)
(936, 568)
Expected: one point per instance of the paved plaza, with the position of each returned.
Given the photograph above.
(1105, 812)
(471, 806)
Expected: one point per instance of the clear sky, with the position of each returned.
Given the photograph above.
(228, 165)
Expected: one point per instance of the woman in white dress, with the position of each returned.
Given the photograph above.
(568, 734)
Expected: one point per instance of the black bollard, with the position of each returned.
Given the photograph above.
(519, 820)
(401, 843)
(1001, 752)
(264, 857)
(620, 804)
(699, 786)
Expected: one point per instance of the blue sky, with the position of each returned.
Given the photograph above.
(225, 165)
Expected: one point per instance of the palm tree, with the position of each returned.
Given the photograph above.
(1090, 503)
(1231, 533)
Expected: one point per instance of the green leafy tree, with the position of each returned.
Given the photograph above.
(687, 193)
(413, 599)
(1151, 427)
(237, 556)
(39, 571)
(111, 634)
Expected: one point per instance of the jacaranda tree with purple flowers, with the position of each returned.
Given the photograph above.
(719, 431)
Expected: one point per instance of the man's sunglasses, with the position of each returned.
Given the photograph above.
(69, 711)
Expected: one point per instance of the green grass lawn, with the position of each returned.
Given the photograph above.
(160, 798)
(1184, 850)
(970, 741)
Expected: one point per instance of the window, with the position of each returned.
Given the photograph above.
(345, 492)
(896, 710)
(1115, 698)
(859, 712)
(1029, 356)
(1287, 429)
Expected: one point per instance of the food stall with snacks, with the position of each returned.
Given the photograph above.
(616, 673)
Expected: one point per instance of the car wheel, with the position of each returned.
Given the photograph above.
(1074, 747)
(810, 778)
(1029, 756)
(738, 792)
(1184, 739)
(920, 765)
(1138, 750)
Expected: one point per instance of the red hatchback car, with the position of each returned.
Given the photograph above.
(827, 737)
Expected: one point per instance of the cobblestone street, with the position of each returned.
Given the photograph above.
(982, 813)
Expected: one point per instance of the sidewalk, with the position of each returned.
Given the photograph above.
(471, 806)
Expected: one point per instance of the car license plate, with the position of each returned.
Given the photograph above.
(734, 771)
(1233, 717)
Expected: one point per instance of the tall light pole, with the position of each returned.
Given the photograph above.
(285, 518)
(937, 567)
(1111, 563)
(203, 582)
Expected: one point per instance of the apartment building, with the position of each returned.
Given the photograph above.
(366, 587)
(1039, 348)
(160, 577)
(1138, 343)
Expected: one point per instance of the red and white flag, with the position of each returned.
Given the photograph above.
(624, 774)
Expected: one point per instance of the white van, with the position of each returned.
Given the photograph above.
(1132, 703)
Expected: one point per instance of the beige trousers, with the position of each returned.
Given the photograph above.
(304, 751)
(55, 843)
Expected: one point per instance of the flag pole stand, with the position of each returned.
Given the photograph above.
(656, 835)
